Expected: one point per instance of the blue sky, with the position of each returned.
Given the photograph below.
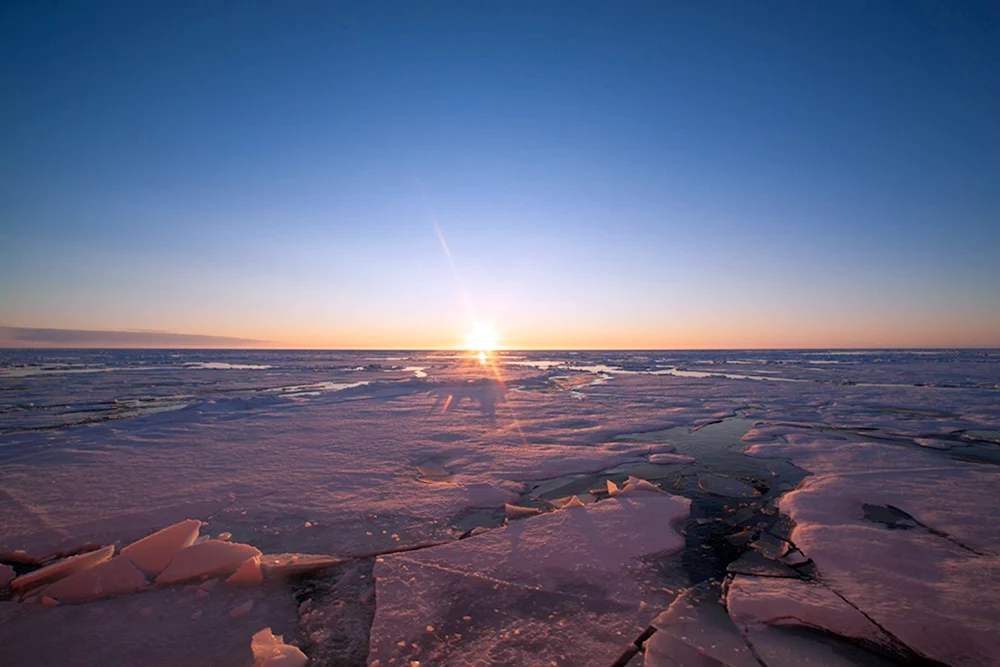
(714, 174)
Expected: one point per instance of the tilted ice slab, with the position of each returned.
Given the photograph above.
(118, 576)
(153, 553)
(933, 586)
(62, 568)
(696, 631)
(569, 586)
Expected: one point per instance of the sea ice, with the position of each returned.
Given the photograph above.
(210, 558)
(154, 552)
(932, 588)
(6, 574)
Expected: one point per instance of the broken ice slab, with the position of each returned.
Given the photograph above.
(270, 650)
(284, 566)
(154, 552)
(696, 631)
(6, 575)
(209, 558)
(118, 576)
(726, 486)
(62, 568)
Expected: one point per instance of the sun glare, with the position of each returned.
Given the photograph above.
(482, 338)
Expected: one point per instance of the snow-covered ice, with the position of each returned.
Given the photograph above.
(527, 515)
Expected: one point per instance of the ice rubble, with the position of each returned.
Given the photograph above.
(555, 587)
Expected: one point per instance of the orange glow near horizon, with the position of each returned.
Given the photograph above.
(482, 338)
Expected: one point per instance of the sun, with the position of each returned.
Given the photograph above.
(482, 338)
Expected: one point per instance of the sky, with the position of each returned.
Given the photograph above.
(603, 175)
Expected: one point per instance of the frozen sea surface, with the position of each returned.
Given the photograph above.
(568, 508)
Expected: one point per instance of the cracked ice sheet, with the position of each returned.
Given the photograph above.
(567, 588)
(935, 596)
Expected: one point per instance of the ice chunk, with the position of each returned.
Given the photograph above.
(210, 558)
(270, 650)
(154, 552)
(571, 501)
(612, 488)
(634, 485)
(118, 576)
(6, 574)
(248, 573)
(283, 566)
(63, 568)
(519, 512)
(665, 459)
(725, 486)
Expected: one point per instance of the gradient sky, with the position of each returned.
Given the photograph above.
(649, 175)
